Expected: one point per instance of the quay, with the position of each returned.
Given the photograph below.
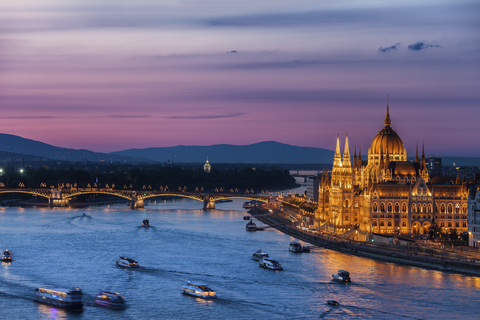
(413, 255)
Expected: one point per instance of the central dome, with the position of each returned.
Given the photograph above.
(387, 139)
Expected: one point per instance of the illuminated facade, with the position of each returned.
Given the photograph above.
(474, 219)
(207, 167)
(387, 193)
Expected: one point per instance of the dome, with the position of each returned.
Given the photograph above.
(387, 138)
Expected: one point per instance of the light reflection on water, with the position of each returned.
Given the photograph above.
(60, 247)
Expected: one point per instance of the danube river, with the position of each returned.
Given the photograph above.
(62, 248)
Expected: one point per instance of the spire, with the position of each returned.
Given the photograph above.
(355, 157)
(387, 117)
(337, 149)
(416, 154)
(424, 166)
(346, 151)
(359, 163)
(346, 154)
(337, 159)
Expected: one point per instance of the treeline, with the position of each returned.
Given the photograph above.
(150, 176)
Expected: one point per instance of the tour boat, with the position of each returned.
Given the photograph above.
(6, 256)
(297, 247)
(247, 205)
(259, 255)
(110, 300)
(268, 263)
(127, 262)
(60, 298)
(145, 223)
(199, 290)
(342, 276)
(251, 226)
(246, 217)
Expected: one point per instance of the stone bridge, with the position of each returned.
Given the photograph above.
(61, 197)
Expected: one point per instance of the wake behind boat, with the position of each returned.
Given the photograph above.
(199, 290)
(126, 262)
(60, 298)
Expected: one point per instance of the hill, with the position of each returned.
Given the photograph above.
(20, 146)
(262, 152)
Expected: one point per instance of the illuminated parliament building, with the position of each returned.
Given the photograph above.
(388, 194)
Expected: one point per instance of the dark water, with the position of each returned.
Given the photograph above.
(59, 247)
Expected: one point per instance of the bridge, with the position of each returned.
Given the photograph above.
(61, 197)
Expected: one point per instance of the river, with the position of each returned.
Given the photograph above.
(62, 248)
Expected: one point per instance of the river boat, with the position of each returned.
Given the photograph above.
(246, 217)
(332, 302)
(6, 256)
(110, 300)
(342, 276)
(251, 226)
(271, 264)
(60, 298)
(126, 262)
(199, 290)
(259, 255)
(297, 247)
(145, 223)
(247, 205)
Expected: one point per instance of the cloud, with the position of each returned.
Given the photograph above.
(422, 45)
(200, 117)
(394, 47)
(233, 51)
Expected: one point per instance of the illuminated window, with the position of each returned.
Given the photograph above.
(442, 208)
(389, 207)
(374, 223)
(450, 208)
(397, 207)
(449, 224)
(442, 224)
(375, 207)
(457, 224)
(389, 223)
(429, 207)
(414, 207)
(404, 224)
(404, 207)
(381, 224)
(382, 207)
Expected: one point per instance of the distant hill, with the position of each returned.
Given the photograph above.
(262, 152)
(18, 145)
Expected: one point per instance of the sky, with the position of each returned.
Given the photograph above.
(112, 75)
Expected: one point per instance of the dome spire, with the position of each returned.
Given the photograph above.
(387, 117)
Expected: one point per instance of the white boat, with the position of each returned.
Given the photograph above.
(342, 276)
(271, 264)
(60, 298)
(199, 290)
(127, 262)
(247, 205)
(259, 255)
(6, 256)
(110, 300)
(297, 247)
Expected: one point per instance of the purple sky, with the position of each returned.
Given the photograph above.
(112, 75)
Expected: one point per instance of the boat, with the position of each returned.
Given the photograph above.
(199, 290)
(271, 264)
(145, 223)
(332, 302)
(297, 247)
(259, 255)
(251, 226)
(6, 256)
(246, 217)
(110, 300)
(60, 298)
(342, 276)
(247, 205)
(127, 262)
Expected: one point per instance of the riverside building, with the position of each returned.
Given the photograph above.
(474, 219)
(386, 193)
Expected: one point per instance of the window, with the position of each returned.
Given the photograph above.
(375, 207)
(464, 209)
(381, 224)
(382, 207)
(442, 224)
(464, 224)
(389, 223)
(449, 224)
(450, 208)
(346, 218)
(397, 207)
(414, 207)
(457, 224)
(442, 208)
(389, 207)
(374, 223)
(404, 207)
(424, 208)
(429, 209)
(346, 203)
(404, 224)
(457, 208)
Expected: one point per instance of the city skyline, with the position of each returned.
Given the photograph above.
(118, 76)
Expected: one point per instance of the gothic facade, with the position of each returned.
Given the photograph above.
(387, 193)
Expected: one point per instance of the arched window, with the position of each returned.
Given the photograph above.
(382, 207)
(381, 224)
(374, 223)
(404, 207)
(375, 207)
(442, 208)
(449, 224)
(424, 208)
(450, 208)
(442, 224)
(429, 209)
(346, 203)
(389, 223)
(389, 207)
(457, 208)
(464, 209)
(397, 207)
(414, 207)
(404, 224)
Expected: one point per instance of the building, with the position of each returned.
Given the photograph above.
(313, 183)
(474, 218)
(387, 193)
(207, 167)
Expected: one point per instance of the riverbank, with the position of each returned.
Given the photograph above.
(443, 261)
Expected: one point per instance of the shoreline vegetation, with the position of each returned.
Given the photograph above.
(413, 255)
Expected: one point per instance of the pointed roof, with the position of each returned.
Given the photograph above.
(387, 122)
(416, 154)
(355, 156)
